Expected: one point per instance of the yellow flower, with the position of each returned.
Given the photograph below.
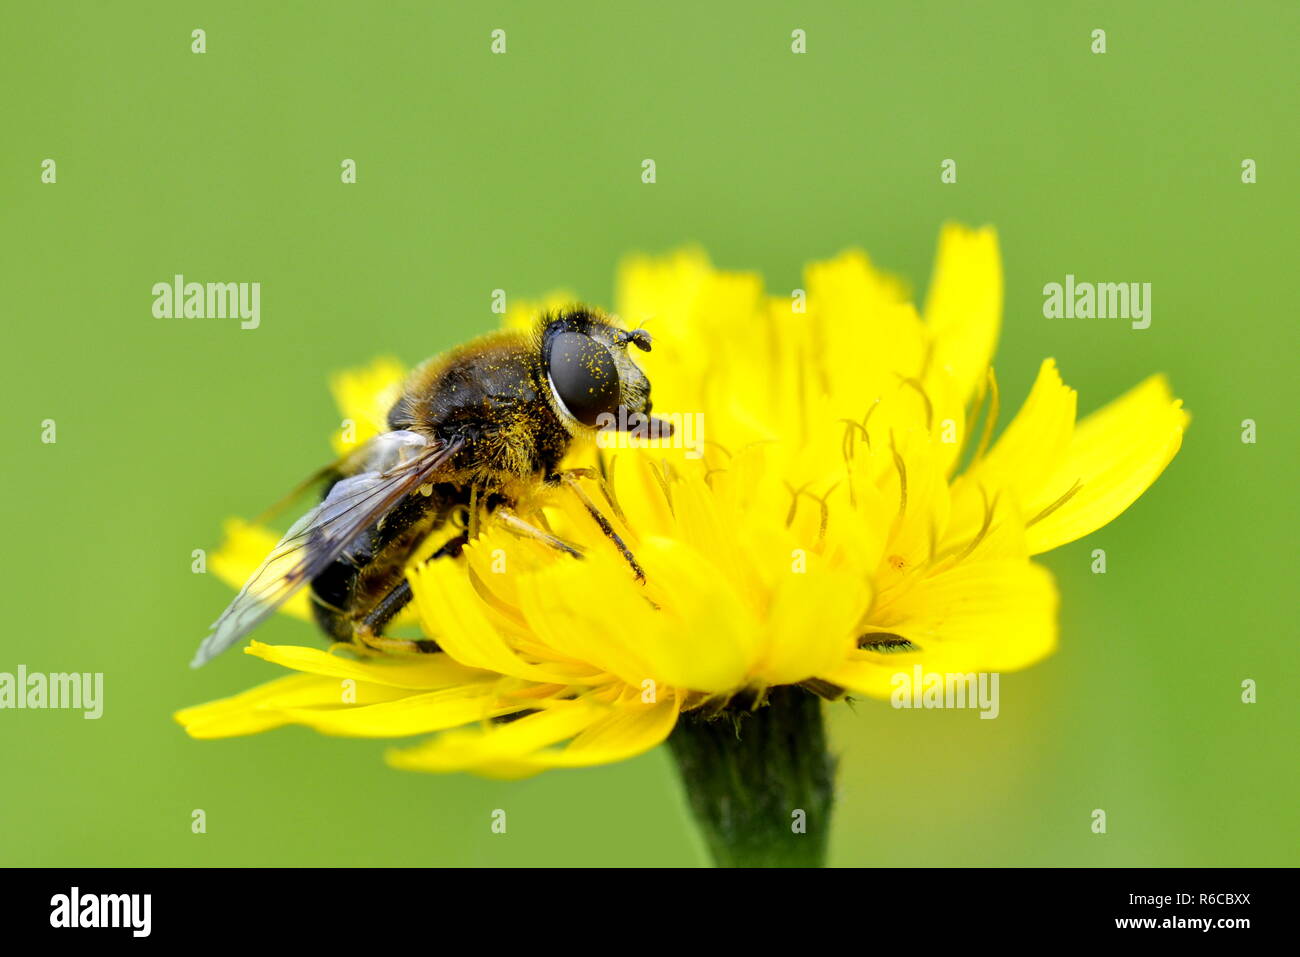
(845, 516)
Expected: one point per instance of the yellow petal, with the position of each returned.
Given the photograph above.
(978, 616)
(706, 636)
(810, 625)
(631, 729)
(1032, 446)
(1115, 455)
(412, 714)
(418, 672)
(590, 611)
(600, 735)
(456, 617)
(364, 397)
(595, 611)
(264, 707)
(501, 750)
(852, 303)
(963, 310)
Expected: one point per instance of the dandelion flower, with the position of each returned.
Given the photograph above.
(846, 514)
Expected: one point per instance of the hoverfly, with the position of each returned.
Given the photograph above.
(475, 431)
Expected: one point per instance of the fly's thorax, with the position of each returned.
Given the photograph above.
(490, 396)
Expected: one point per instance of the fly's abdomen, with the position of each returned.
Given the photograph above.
(354, 587)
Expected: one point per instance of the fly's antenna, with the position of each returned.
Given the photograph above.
(640, 336)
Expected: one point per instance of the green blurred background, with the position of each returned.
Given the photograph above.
(522, 172)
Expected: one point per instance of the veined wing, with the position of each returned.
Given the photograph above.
(395, 465)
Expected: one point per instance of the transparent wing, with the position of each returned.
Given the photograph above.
(397, 464)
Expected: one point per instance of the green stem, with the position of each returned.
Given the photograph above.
(761, 782)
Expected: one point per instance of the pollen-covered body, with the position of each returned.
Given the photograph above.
(488, 399)
(474, 432)
(500, 413)
(493, 396)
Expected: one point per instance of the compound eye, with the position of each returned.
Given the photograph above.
(584, 376)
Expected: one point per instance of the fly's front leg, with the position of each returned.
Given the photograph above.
(570, 478)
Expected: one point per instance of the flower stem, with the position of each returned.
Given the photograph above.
(760, 783)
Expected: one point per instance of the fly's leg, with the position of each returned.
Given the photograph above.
(570, 478)
(367, 632)
(513, 523)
